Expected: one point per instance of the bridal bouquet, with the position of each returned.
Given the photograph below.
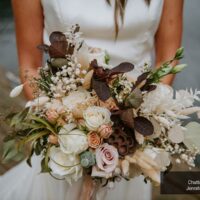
(91, 118)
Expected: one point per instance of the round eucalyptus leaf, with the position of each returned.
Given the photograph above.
(192, 135)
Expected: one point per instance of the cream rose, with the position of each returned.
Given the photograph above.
(76, 97)
(65, 165)
(96, 116)
(72, 141)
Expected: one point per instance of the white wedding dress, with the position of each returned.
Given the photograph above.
(135, 44)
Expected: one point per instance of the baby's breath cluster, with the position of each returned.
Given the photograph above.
(121, 88)
(69, 78)
(184, 155)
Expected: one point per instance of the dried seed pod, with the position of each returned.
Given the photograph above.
(124, 143)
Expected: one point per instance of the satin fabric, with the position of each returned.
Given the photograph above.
(135, 43)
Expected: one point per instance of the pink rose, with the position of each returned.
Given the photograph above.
(107, 157)
(105, 131)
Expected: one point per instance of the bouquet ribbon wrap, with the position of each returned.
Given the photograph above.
(91, 190)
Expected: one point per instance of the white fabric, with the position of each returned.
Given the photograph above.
(135, 43)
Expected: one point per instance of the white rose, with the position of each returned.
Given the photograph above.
(72, 141)
(158, 100)
(96, 116)
(76, 97)
(65, 165)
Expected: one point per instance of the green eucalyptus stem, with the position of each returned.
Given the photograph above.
(42, 121)
(47, 155)
(60, 179)
(33, 137)
(166, 68)
(64, 166)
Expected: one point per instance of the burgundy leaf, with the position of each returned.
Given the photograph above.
(94, 63)
(44, 48)
(121, 68)
(57, 36)
(77, 28)
(58, 47)
(141, 78)
(57, 51)
(151, 88)
(143, 126)
(99, 72)
(127, 118)
(101, 88)
(148, 88)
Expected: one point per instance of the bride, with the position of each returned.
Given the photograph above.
(137, 28)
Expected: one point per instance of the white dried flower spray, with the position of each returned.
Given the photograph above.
(16, 91)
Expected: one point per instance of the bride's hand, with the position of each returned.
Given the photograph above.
(27, 74)
(29, 22)
(169, 34)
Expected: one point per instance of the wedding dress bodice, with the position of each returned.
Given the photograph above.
(135, 42)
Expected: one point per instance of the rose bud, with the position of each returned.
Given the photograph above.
(105, 131)
(52, 115)
(53, 139)
(93, 140)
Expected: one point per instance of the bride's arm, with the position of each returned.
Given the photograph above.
(169, 34)
(28, 16)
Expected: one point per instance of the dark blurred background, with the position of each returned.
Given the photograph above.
(189, 78)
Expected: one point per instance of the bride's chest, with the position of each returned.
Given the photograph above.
(96, 16)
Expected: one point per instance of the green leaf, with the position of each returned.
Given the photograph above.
(107, 58)
(179, 53)
(16, 119)
(31, 138)
(32, 125)
(44, 169)
(44, 163)
(10, 152)
(44, 122)
(8, 138)
(29, 157)
(38, 148)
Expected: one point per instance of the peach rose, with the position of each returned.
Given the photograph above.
(52, 115)
(61, 122)
(53, 139)
(105, 131)
(109, 104)
(93, 140)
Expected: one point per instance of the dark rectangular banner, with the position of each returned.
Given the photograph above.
(180, 183)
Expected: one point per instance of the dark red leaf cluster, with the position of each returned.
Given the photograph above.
(102, 76)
